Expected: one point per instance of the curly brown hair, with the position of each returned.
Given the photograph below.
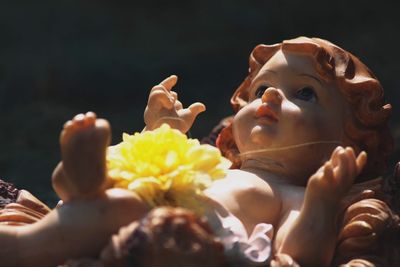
(366, 129)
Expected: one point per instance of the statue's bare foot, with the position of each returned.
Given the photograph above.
(82, 171)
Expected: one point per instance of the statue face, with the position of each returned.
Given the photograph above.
(290, 104)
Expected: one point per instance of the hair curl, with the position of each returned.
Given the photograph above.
(366, 128)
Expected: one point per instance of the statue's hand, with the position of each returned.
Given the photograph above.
(283, 260)
(359, 263)
(26, 210)
(335, 178)
(164, 107)
(363, 225)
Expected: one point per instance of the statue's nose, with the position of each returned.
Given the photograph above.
(272, 95)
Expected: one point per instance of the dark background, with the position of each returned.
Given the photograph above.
(60, 58)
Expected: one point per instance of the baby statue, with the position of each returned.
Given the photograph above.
(307, 115)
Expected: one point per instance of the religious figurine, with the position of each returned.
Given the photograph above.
(302, 99)
(307, 116)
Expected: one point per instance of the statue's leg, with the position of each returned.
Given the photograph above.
(91, 214)
(82, 171)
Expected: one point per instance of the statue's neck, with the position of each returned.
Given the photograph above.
(268, 170)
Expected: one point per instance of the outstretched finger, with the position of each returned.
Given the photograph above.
(361, 161)
(335, 156)
(351, 159)
(169, 82)
(197, 108)
(341, 170)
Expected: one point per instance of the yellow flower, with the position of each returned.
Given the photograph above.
(165, 167)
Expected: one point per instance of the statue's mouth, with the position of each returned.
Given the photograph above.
(265, 111)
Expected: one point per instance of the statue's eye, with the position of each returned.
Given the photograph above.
(260, 91)
(306, 94)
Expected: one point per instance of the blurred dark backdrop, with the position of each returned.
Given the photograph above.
(59, 58)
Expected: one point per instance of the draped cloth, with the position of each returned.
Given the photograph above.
(242, 249)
